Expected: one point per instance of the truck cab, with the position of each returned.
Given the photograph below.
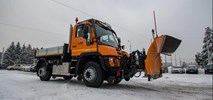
(93, 36)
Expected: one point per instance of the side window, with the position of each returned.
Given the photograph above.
(80, 32)
(88, 35)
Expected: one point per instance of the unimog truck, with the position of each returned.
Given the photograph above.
(94, 53)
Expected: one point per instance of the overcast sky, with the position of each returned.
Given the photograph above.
(45, 23)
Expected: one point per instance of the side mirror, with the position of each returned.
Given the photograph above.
(86, 30)
(119, 40)
(119, 44)
(123, 47)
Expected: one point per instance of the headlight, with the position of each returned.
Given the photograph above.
(114, 62)
(111, 62)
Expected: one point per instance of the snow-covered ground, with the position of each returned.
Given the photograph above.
(18, 85)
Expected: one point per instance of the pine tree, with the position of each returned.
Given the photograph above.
(30, 55)
(206, 56)
(24, 54)
(16, 54)
(207, 48)
(9, 57)
(199, 59)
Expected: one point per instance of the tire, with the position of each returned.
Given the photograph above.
(67, 77)
(43, 73)
(149, 78)
(92, 74)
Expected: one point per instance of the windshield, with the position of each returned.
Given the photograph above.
(191, 67)
(105, 35)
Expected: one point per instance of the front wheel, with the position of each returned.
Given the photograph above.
(92, 75)
(43, 73)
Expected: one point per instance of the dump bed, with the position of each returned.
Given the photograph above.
(53, 51)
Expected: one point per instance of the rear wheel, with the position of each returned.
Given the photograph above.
(43, 73)
(92, 75)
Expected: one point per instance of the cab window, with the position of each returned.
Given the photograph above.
(80, 32)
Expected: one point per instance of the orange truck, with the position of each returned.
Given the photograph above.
(95, 54)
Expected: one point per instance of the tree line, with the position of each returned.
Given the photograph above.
(206, 55)
(17, 54)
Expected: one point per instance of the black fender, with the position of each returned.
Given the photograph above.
(89, 56)
(43, 61)
(38, 65)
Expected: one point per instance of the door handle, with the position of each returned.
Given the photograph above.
(74, 46)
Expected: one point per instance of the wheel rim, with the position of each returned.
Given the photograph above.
(90, 74)
(42, 72)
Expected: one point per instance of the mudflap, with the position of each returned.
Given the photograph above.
(163, 44)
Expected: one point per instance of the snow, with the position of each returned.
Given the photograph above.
(18, 85)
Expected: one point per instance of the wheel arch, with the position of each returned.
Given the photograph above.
(39, 63)
(89, 56)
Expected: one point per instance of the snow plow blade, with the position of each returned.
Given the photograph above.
(161, 45)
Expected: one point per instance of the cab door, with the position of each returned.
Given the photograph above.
(83, 38)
